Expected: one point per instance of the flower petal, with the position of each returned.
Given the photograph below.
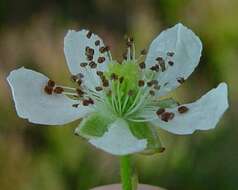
(118, 140)
(203, 114)
(186, 47)
(34, 104)
(75, 44)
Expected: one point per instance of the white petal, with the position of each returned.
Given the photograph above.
(34, 104)
(118, 140)
(187, 48)
(203, 114)
(75, 44)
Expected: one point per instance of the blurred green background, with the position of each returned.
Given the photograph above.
(34, 157)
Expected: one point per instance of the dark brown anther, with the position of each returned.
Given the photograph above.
(170, 54)
(105, 83)
(152, 92)
(181, 80)
(74, 78)
(89, 51)
(99, 73)
(79, 92)
(160, 111)
(92, 64)
(89, 34)
(124, 55)
(171, 63)
(162, 149)
(75, 105)
(149, 84)
(84, 64)
(98, 88)
(107, 48)
(97, 42)
(90, 101)
(166, 116)
(51, 83)
(58, 90)
(141, 83)
(159, 59)
(89, 57)
(114, 76)
(143, 52)
(155, 68)
(79, 81)
(85, 102)
(142, 65)
(48, 90)
(121, 79)
(130, 93)
(102, 49)
(162, 66)
(182, 109)
(157, 87)
(101, 59)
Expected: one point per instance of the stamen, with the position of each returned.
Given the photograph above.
(97, 42)
(48, 90)
(152, 93)
(98, 88)
(105, 83)
(166, 116)
(160, 111)
(181, 80)
(114, 76)
(149, 84)
(182, 109)
(84, 64)
(89, 34)
(75, 105)
(141, 83)
(92, 64)
(58, 90)
(79, 92)
(156, 87)
(155, 68)
(101, 59)
(89, 57)
(51, 83)
(170, 54)
(142, 65)
(99, 73)
(171, 63)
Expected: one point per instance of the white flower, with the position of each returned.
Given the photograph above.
(120, 102)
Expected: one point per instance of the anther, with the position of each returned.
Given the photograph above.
(152, 92)
(89, 57)
(143, 52)
(51, 83)
(99, 73)
(89, 51)
(149, 84)
(157, 87)
(90, 101)
(89, 34)
(114, 76)
(58, 90)
(166, 116)
(159, 59)
(85, 102)
(105, 83)
(79, 81)
(98, 88)
(97, 42)
(160, 111)
(171, 63)
(170, 54)
(48, 90)
(130, 93)
(101, 59)
(155, 68)
(75, 105)
(92, 64)
(84, 64)
(142, 65)
(79, 92)
(141, 83)
(121, 79)
(182, 109)
(162, 66)
(162, 149)
(180, 80)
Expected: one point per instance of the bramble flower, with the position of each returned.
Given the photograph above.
(121, 103)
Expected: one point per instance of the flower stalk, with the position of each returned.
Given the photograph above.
(129, 178)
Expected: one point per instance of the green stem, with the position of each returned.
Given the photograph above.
(128, 176)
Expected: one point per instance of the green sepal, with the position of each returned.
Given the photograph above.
(95, 125)
(148, 132)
